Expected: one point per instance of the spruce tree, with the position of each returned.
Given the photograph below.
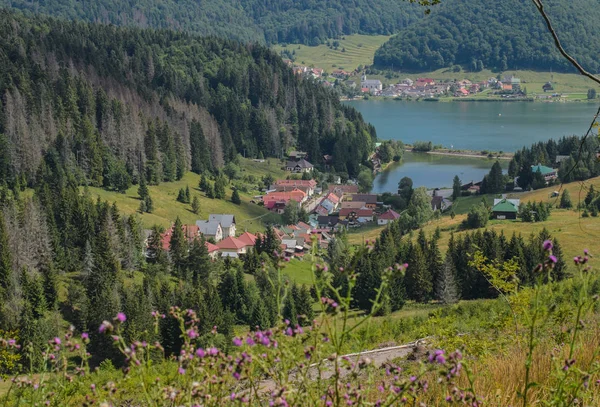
(181, 196)
(456, 188)
(149, 204)
(178, 249)
(196, 205)
(210, 192)
(5, 256)
(143, 188)
(289, 307)
(235, 197)
(419, 284)
(155, 252)
(187, 194)
(565, 200)
(199, 262)
(304, 303)
(446, 289)
(203, 183)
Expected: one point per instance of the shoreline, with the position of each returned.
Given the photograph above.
(452, 99)
(463, 153)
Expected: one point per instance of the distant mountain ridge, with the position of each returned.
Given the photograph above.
(271, 21)
(503, 34)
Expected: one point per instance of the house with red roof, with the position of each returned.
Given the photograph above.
(461, 92)
(286, 185)
(425, 82)
(356, 215)
(248, 239)
(277, 201)
(213, 249)
(329, 203)
(190, 232)
(387, 217)
(232, 247)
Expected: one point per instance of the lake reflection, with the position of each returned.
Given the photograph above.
(433, 171)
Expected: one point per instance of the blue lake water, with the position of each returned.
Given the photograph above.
(495, 126)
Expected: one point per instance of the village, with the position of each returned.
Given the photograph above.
(338, 209)
(507, 87)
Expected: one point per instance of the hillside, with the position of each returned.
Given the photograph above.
(118, 102)
(305, 22)
(500, 35)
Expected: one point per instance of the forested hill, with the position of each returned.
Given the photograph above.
(115, 103)
(502, 34)
(273, 21)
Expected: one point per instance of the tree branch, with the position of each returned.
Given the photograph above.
(540, 6)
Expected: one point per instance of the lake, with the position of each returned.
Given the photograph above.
(494, 126)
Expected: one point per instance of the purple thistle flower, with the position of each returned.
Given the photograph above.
(192, 333)
(57, 341)
(237, 341)
(181, 370)
(250, 341)
(121, 317)
(212, 351)
(236, 375)
(548, 245)
(552, 258)
(85, 336)
(200, 353)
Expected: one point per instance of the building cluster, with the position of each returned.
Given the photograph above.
(219, 232)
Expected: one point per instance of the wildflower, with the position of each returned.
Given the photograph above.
(192, 334)
(552, 258)
(121, 317)
(181, 370)
(212, 351)
(105, 327)
(232, 397)
(85, 336)
(548, 245)
(250, 341)
(200, 353)
(437, 357)
(237, 341)
(56, 341)
(236, 375)
(93, 387)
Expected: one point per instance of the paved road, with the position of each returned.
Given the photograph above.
(376, 357)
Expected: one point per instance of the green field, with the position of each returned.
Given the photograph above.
(359, 50)
(167, 209)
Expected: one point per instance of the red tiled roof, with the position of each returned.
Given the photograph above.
(333, 198)
(302, 225)
(247, 238)
(390, 215)
(211, 247)
(296, 183)
(297, 195)
(231, 243)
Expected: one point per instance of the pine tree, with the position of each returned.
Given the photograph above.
(5, 256)
(235, 197)
(220, 184)
(565, 200)
(446, 289)
(199, 262)
(203, 183)
(304, 303)
(181, 196)
(289, 307)
(418, 279)
(196, 205)
(143, 189)
(178, 249)
(149, 204)
(142, 208)
(260, 318)
(154, 251)
(210, 192)
(187, 194)
(590, 196)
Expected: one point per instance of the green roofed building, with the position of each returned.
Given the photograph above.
(505, 209)
(547, 172)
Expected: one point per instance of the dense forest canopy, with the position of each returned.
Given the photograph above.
(271, 21)
(499, 35)
(119, 102)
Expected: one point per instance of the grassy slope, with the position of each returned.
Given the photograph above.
(575, 233)
(166, 207)
(360, 50)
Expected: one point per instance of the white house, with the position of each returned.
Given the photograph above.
(227, 223)
(210, 229)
